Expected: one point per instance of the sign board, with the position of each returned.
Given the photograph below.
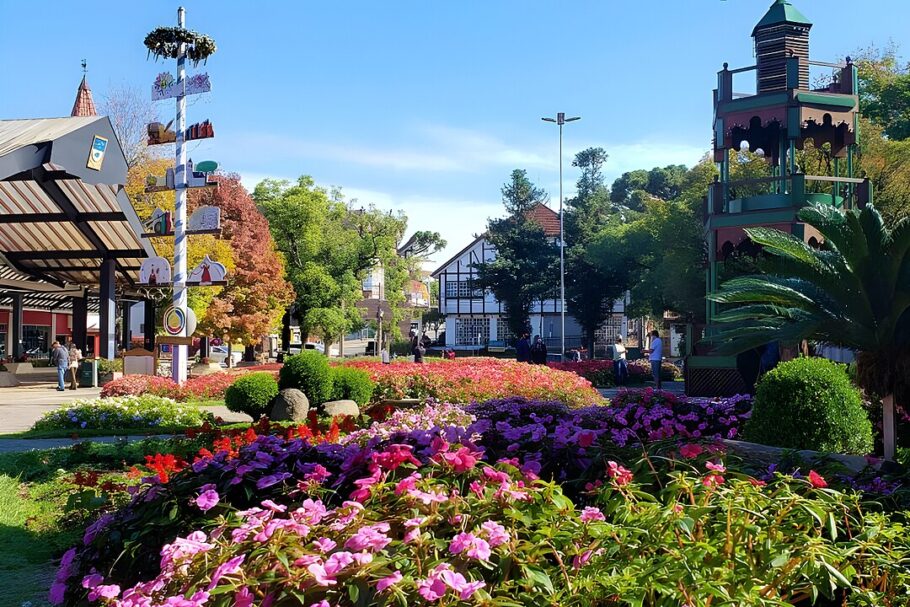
(139, 362)
(207, 273)
(170, 340)
(155, 271)
(165, 86)
(96, 155)
(207, 166)
(175, 321)
(204, 220)
(159, 224)
(160, 133)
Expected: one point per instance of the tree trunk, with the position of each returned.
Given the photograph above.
(590, 345)
(888, 426)
(229, 357)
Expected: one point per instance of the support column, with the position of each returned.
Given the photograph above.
(15, 325)
(80, 322)
(125, 320)
(149, 327)
(108, 316)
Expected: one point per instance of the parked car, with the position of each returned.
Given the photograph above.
(219, 354)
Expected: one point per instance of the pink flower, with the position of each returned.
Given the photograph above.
(411, 536)
(718, 468)
(460, 461)
(817, 480)
(407, 483)
(712, 480)
(324, 544)
(691, 451)
(459, 584)
(110, 591)
(431, 589)
(243, 598)
(580, 560)
(372, 537)
(496, 533)
(229, 567)
(428, 497)
(92, 580)
(473, 546)
(621, 476)
(586, 438)
(591, 514)
(269, 504)
(322, 603)
(394, 456)
(479, 550)
(388, 581)
(461, 542)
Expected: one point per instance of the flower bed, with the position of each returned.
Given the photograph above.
(210, 386)
(600, 372)
(410, 515)
(147, 411)
(477, 379)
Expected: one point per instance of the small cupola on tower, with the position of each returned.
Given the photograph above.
(783, 32)
(85, 104)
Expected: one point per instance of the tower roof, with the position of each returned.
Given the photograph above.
(781, 12)
(84, 105)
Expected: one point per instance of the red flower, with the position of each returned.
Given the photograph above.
(817, 480)
(691, 451)
(621, 476)
(586, 438)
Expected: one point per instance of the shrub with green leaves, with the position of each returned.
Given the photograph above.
(810, 403)
(145, 411)
(309, 372)
(252, 394)
(352, 384)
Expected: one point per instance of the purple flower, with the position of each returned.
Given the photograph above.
(207, 500)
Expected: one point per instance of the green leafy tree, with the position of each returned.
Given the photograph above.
(329, 247)
(854, 293)
(525, 270)
(884, 90)
(590, 293)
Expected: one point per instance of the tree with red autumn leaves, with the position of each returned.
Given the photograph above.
(257, 294)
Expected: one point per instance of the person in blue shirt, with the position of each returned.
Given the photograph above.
(523, 349)
(656, 356)
(60, 358)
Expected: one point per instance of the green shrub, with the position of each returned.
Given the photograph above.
(353, 384)
(146, 411)
(809, 403)
(309, 372)
(252, 394)
(400, 347)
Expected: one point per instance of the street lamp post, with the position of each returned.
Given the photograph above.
(561, 120)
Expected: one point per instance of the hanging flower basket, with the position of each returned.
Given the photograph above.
(165, 42)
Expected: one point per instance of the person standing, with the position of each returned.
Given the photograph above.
(75, 355)
(620, 368)
(61, 359)
(523, 349)
(538, 351)
(656, 356)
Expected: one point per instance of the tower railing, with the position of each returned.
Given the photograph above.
(761, 193)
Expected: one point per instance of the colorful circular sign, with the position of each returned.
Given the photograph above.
(174, 320)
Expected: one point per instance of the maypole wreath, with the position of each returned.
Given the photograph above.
(165, 42)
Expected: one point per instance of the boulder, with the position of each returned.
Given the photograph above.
(290, 405)
(341, 407)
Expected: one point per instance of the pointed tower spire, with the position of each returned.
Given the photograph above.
(84, 105)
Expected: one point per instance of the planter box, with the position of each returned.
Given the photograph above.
(109, 377)
(20, 368)
(8, 380)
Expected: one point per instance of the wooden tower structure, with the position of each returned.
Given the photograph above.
(778, 119)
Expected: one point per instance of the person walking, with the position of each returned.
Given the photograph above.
(523, 349)
(620, 368)
(538, 351)
(656, 356)
(61, 359)
(75, 355)
(417, 349)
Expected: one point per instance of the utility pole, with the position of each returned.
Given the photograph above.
(560, 120)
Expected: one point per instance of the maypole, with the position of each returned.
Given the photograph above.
(179, 321)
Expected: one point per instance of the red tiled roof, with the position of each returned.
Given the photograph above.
(546, 217)
(85, 105)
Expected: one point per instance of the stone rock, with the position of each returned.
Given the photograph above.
(290, 405)
(341, 407)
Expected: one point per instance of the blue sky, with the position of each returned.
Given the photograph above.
(426, 106)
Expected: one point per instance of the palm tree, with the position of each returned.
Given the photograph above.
(853, 293)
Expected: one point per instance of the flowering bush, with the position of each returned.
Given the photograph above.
(600, 372)
(146, 411)
(564, 441)
(476, 379)
(210, 386)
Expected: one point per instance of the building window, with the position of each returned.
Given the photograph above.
(3, 332)
(610, 330)
(472, 331)
(35, 340)
(463, 288)
(504, 333)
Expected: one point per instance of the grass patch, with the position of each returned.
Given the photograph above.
(30, 539)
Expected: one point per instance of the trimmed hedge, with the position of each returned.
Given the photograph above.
(809, 403)
(252, 394)
(310, 373)
(352, 384)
